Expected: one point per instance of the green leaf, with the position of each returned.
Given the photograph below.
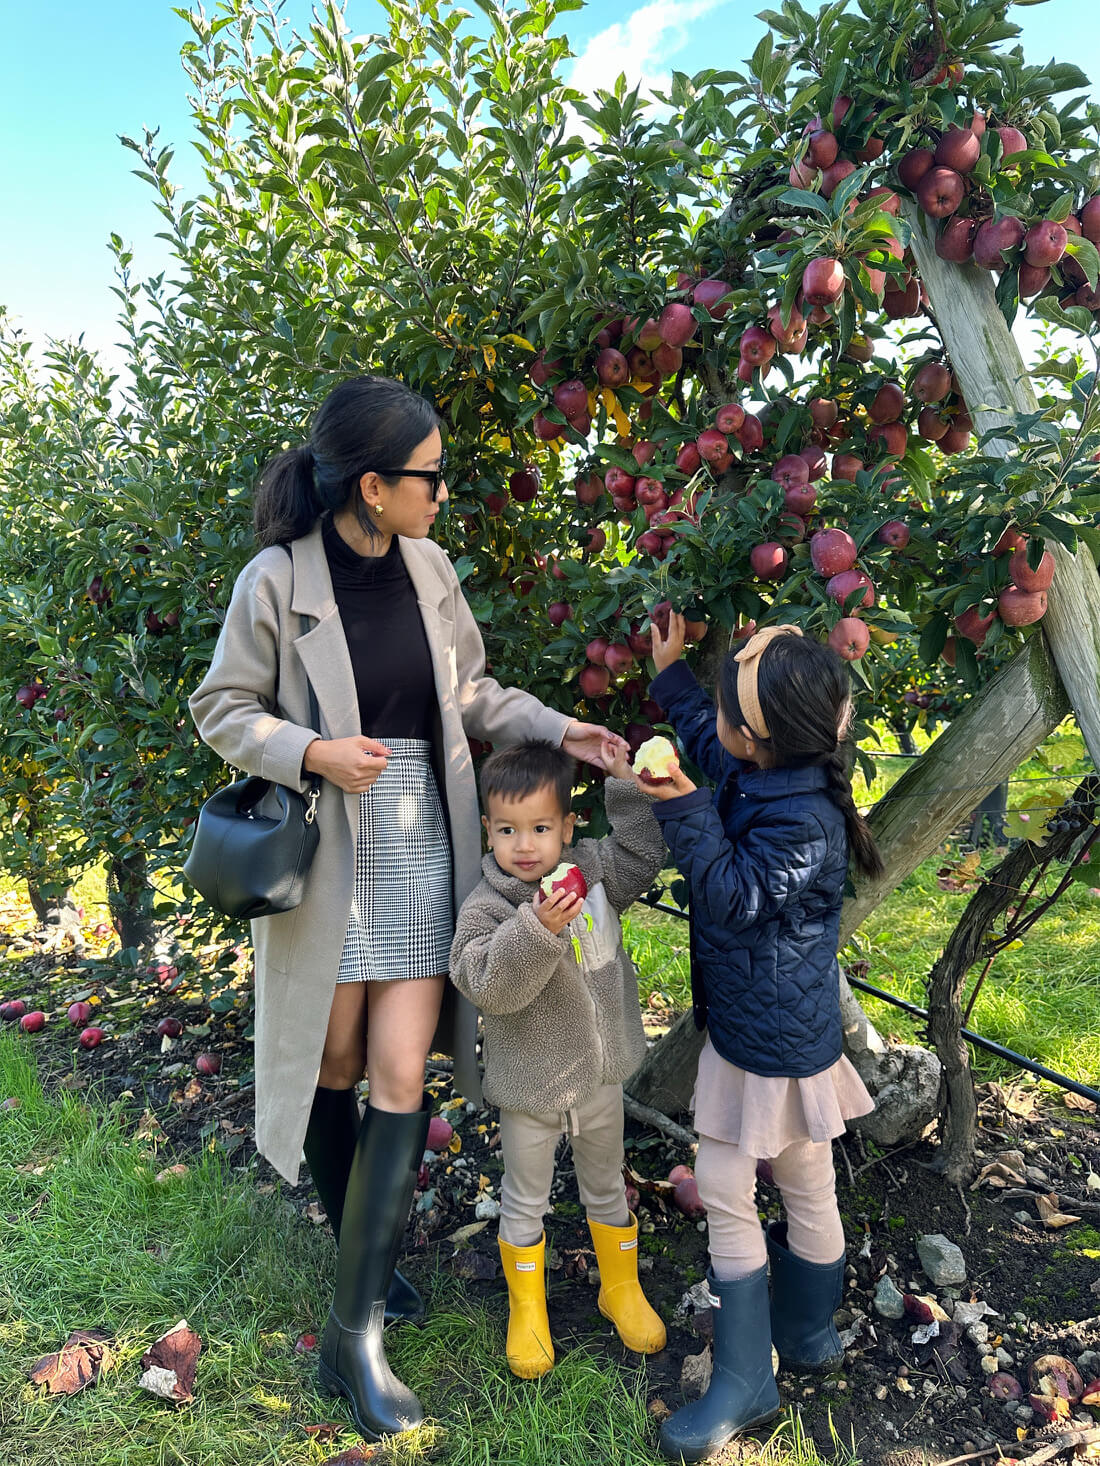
(802, 198)
(933, 637)
(1085, 253)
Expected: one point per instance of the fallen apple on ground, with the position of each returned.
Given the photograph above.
(655, 760)
(79, 1013)
(92, 1037)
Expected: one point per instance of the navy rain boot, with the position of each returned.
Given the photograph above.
(805, 1295)
(742, 1391)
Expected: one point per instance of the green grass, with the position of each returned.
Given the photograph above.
(1043, 999)
(96, 1242)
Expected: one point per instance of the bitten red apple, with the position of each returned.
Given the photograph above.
(655, 760)
(564, 877)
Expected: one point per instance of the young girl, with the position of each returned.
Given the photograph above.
(766, 856)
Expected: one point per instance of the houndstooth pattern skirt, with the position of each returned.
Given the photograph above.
(402, 915)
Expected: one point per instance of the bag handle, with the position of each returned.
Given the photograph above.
(314, 719)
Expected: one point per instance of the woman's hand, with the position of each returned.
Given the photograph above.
(670, 647)
(352, 764)
(586, 741)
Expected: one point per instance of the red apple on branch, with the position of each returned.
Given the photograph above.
(1021, 607)
(940, 192)
(1024, 577)
(850, 637)
(768, 561)
(832, 551)
(823, 281)
(841, 586)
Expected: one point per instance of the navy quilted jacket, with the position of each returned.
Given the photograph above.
(765, 856)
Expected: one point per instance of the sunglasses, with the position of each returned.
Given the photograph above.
(434, 476)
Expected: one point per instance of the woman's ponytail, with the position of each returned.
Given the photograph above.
(285, 503)
(861, 842)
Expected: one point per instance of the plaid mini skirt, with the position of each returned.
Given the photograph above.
(402, 915)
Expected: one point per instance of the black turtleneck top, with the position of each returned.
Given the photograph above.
(385, 634)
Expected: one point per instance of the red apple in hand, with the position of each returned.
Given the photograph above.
(564, 877)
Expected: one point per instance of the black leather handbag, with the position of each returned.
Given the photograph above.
(246, 863)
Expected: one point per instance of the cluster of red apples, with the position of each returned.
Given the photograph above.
(941, 181)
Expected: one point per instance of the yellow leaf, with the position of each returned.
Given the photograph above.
(489, 356)
(518, 340)
(454, 1145)
(1021, 1432)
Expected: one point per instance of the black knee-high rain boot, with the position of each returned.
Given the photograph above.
(376, 1206)
(329, 1146)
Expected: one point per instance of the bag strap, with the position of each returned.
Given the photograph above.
(314, 718)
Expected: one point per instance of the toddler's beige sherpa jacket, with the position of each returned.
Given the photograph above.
(561, 1012)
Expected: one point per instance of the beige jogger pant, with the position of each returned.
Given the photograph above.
(528, 1144)
(804, 1173)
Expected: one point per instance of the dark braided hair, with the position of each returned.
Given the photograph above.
(365, 421)
(805, 696)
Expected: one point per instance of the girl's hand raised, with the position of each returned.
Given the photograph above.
(680, 784)
(670, 647)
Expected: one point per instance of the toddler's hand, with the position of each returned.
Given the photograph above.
(558, 910)
(616, 760)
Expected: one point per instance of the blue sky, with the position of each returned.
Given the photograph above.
(73, 76)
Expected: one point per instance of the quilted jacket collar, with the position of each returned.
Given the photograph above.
(779, 783)
(520, 893)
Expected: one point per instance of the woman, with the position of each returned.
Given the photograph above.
(355, 977)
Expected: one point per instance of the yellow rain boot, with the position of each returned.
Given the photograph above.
(621, 1298)
(530, 1348)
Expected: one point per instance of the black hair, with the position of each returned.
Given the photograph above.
(362, 422)
(805, 696)
(524, 769)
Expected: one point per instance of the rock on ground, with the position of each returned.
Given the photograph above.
(941, 1260)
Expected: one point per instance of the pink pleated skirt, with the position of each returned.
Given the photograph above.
(763, 1115)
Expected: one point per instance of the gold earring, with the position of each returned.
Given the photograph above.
(378, 509)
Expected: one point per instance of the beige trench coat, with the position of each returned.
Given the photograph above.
(252, 708)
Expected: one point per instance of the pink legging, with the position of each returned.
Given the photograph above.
(727, 1187)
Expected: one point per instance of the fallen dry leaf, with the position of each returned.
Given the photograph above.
(1050, 1212)
(316, 1213)
(326, 1432)
(998, 1174)
(169, 1366)
(352, 1456)
(1016, 1100)
(76, 1365)
(463, 1234)
(1078, 1102)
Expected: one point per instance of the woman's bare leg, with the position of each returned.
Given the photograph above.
(401, 1019)
(345, 1055)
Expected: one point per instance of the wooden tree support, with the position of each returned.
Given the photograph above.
(995, 385)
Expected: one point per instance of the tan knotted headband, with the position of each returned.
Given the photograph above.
(748, 668)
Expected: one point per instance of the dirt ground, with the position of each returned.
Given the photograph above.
(896, 1397)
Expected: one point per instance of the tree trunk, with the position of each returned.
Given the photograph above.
(1001, 888)
(993, 734)
(130, 900)
(996, 386)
